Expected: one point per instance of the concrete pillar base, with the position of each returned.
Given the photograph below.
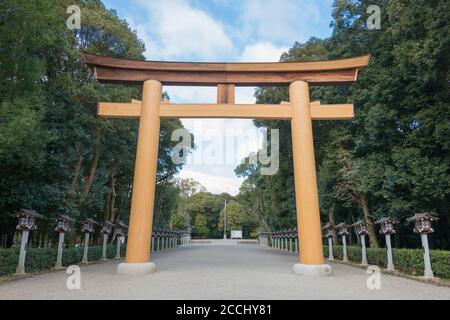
(58, 268)
(136, 269)
(311, 270)
(20, 271)
(426, 278)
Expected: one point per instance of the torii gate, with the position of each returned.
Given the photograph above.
(300, 111)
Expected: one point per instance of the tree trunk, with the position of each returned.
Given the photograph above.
(93, 167)
(77, 169)
(107, 210)
(113, 192)
(333, 223)
(262, 214)
(363, 203)
(160, 201)
(352, 219)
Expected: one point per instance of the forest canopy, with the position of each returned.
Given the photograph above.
(392, 159)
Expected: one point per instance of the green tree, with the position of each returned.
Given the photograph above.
(393, 158)
(201, 226)
(56, 155)
(235, 217)
(179, 222)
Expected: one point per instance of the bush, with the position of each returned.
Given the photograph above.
(409, 261)
(39, 259)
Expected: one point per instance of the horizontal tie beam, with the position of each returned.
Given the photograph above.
(243, 111)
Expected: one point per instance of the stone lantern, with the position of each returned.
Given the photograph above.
(330, 233)
(262, 237)
(26, 223)
(177, 237)
(277, 237)
(283, 239)
(173, 237)
(189, 233)
(152, 241)
(291, 237)
(87, 228)
(107, 227)
(273, 236)
(343, 232)
(62, 226)
(296, 240)
(361, 229)
(183, 238)
(168, 235)
(158, 239)
(287, 235)
(387, 228)
(423, 226)
(164, 238)
(120, 232)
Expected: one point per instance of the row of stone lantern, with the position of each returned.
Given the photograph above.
(286, 240)
(264, 238)
(27, 222)
(422, 225)
(107, 227)
(163, 239)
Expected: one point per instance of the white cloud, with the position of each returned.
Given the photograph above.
(180, 31)
(258, 52)
(262, 52)
(214, 183)
(191, 94)
(281, 21)
(260, 30)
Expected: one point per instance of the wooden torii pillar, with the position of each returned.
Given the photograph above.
(299, 110)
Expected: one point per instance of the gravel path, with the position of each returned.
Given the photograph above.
(219, 271)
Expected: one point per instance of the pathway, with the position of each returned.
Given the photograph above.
(219, 271)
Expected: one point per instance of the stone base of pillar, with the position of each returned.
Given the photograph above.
(20, 271)
(136, 269)
(428, 278)
(313, 270)
(390, 268)
(58, 268)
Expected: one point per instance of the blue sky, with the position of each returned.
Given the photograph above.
(221, 30)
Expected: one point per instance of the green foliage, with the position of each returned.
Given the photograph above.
(41, 259)
(179, 222)
(394, 157)
(56, 155)
(409, 261)
(235, 217)
(200, 226)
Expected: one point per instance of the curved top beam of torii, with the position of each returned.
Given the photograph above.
(330, 72)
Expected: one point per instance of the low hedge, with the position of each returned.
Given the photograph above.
(39, 259)
(409, 261)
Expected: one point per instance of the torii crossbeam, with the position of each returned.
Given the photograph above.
(299, 110)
